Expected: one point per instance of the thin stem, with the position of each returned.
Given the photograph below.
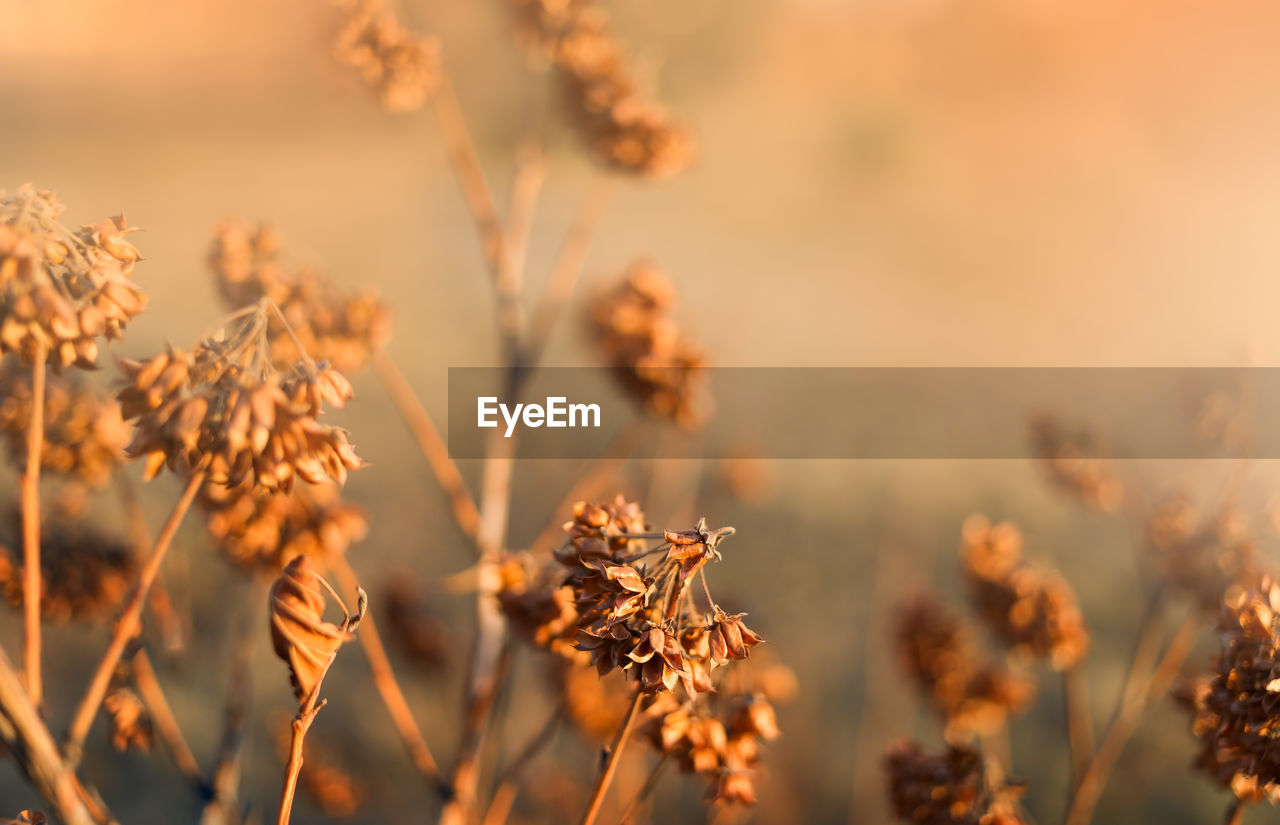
(1126, 721)
(160, 603)
(1075, 692)
(301, 724)
(144, 675)
(127, 627)
(526, 184)
(31, 589)
(26, 737)
(484, 211)
(384, 678)
(224, 779)
(568, 265)
(645, 791)
(1235, 812)
(611, 763)
(429, 441)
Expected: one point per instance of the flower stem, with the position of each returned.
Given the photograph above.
(128, 624)
(611, 763)
(31, 586)
(301, 724)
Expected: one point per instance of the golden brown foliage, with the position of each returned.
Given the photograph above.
(954, 787)
(299, 634)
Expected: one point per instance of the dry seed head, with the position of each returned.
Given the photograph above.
(623, 127)
(265, 530)
(1033, 611)
(60, 290)
(299, 634)
(85, 574)
(225, 410)
(1066, 460)
(1202, 558)
(84, 433)
(1234, 709)
(130, 722)
(342, 329)
(955, 787)
(654, 362)
(974, 695)
(402, 68)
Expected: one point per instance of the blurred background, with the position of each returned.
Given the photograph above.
(878, 182)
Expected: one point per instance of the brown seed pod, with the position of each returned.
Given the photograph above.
(130, 722)
(299, 634)
(955, 787)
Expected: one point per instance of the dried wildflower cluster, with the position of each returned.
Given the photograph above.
(343, 330)
(84, 434)
(62, 291)
(402, 68)
(622, 126)
(85, 573)
(1202, 558)
(265, 531)
(224, 410)
(604, 606)
(974, 695)
(955, 787)
(1032, 611)
(1069, 466)
(1234, 708)
(652, 358)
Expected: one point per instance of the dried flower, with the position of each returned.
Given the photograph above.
(265, 530)
(224, 410)
(954, 787)
(1032, 611)
(299, 634)
(1234, 709)
(85, 573)
(61, 291)
(1202, 559)
(1067, 462)
(651, 358)
(973, 695)
(344, 330)
(623, 128)
(730, 638)
(402, 68)
(130, 722)
(84, 435)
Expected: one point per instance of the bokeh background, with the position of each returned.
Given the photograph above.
(879, 182)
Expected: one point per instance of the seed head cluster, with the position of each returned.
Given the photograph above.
(623, 127)
(653, 360)
(614, 604)
(974, 695)
(1200, 557)
(223, 409)
(401, 68)
(264, 531)
(84, 434)
(1234, 710)
(61, 292)
(1033, 611)
(326, 325)
(86, 574)
(955, 787)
